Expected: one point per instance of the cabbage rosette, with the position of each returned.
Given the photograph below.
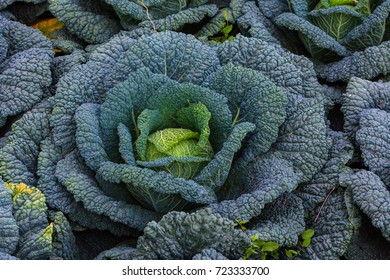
(163, 123)
(346, 38)
(178, 129)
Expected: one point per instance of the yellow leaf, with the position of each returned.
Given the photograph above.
(47, 26)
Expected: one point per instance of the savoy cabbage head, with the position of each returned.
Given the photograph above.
(344, 38)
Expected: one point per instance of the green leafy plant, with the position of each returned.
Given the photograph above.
(306, 237)
(332, 29)
(272, 250)
(226, 33)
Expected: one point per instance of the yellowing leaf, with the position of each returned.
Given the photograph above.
(47, 26)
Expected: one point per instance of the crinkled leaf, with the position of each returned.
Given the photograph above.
(371, 196)
(58, 197)
(317, 42)
(215, 173)
(281, 221)
(160, 191)
(180, 235)
(77, 180)
(373, 138)
(9, 232)
(266, 180)
(98, 22)
(178, 20)
(209, 254)
(64, 242)
(179, 56)
(333, 229)
(88, 133)
(366, 64)
(30, 213)
(293, 73)
(253, 98)
(302, 138)
(25, 72)
(18, 158)
(314, 192)
(362, 95)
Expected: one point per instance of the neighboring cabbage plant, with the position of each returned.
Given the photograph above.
(25, 58)
(28, 229)
(105, 18)
(366, 107)
(346, 38)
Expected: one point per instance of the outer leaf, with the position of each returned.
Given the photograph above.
(362, 95)
(266, 180)
(317, 42)
(62, 65)
(77, 179)
(209, 254)
(259, 22)
(157, 190)
(30, 212)
(89, 88)
(293, 73)
(177, 21)
(64, 243)
(98, 24)
(176, 55)
(18, 158)
(366, 64)
(316, 190)
(126, 144)
(373, 138)
(281, 222)
(332, 231)
(372, 197)
(59, 198)
(306, 147)
(88, 134)
(273, 8)
(181, 235)
(25, 72)
(9, 232)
